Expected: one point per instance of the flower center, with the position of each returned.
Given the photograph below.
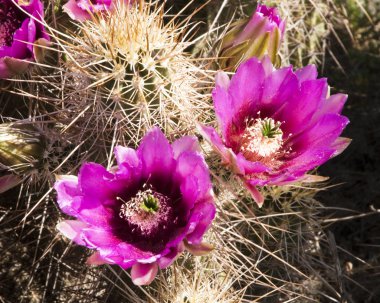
(261, 139)
(10, 20)
(147, 210)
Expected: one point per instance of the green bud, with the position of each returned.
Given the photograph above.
(21, 148)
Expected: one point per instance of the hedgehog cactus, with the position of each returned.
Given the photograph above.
(133, 65)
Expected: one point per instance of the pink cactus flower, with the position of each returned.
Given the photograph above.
(276, 124)
(144, 212)
(21, 30)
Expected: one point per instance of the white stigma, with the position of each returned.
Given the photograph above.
(262, 138)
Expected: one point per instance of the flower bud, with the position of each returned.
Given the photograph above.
(21, 148)
(22, 34)
(259, 36)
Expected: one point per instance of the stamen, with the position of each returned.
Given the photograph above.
(10, 21)
(261, 139)
(147, 210)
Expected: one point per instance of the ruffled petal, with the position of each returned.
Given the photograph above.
(94, 182)
(129, 252)
(126, 155)
(32, 30)
(267, 66)
(69, 196)
(202, 215)
(228, 156)
(191, 164)
(334, 104)
(211, 136)
(190, 192)
(129, 168)
(247, 167)
(308, 160)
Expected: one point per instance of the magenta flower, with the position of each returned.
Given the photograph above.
(145, 211)
(21, 31)
(81, 10)
(260, 35)
(276, 124)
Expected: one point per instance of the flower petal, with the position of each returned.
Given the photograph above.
(246, 88)
(323, 133)
(279, 88)
(69, 196)
(222, 105)
(156, 165)
(334, 104)
(143, 274)
(96, 237)
(340, 144)
(222, 80)
(298, 112)
(94, 182)
(73, 230)
(191, 164)
(126, 155)
(308, 72)
(308, 160)
(212, 137)
(186, 143)
(75, 12)
(256, 195)
(168, 259)
(247, 167)
(200, 220)
(96, 259)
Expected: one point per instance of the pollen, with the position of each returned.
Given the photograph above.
(261, 139)
(10, 21)
(148, 210)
